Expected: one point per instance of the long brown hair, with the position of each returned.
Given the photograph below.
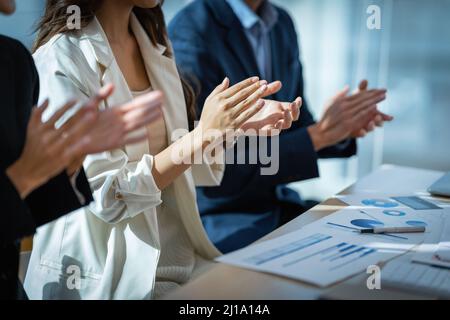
(54, 21)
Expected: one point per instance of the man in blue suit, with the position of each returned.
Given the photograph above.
(241, 38)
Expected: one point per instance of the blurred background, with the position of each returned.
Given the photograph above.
(410, 56)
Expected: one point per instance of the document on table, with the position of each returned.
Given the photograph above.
(332, 249)
(417, 278)
(317, 255)
(435, 250)
(385, 201)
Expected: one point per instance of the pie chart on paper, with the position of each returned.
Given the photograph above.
(394, 213)
(380, 203)
(366, 223)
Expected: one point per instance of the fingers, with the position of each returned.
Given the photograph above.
(58, 114)
(287, 119)
(152, 100)
(364, 95)
(104, 93)
(248, 97)
(139, 118)
(386, 117)
(135, 139)
(273, 88)
(365, 102)
(361, 134)
(76, 149)
(141, 111)
(378, 120)
(250, 112)
(37, 112)
(370, 127)
(342, 94)
(246, 94)
(228, 93)
(363, 85)
(78, 128)
(363, 117)
(221, 87)
(295, 108)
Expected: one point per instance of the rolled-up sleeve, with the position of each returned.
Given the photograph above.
(122, 189)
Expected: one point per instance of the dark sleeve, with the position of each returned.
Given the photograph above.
(57, 198)
(50, 201)
(17, 221)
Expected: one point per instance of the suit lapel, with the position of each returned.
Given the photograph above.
(276, 54)
(110, 73)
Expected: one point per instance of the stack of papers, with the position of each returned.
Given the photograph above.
(332, 249)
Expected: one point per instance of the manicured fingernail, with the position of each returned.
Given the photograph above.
(255, 79)
(263, 89)
(262, 82)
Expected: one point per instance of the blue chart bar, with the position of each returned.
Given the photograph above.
(369, 251)
(340, 253)
(288, 249)
(324, 251)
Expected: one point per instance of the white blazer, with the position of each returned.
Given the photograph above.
(114, 243)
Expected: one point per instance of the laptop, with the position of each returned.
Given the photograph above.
(441, 187)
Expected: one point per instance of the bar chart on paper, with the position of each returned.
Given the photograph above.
(315, 256)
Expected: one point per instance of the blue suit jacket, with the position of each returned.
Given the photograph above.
(209, 44)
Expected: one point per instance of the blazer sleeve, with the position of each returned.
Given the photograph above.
(17, 221)
(20, 217)
(121, 188)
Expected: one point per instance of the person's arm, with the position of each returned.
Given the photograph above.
(17, 221)
(26, 197)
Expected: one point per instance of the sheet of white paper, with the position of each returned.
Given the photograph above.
(416, 278)
(317, 255)
(435, 247)
(418, 201)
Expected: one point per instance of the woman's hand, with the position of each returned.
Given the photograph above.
(274, 117)
(228, 108)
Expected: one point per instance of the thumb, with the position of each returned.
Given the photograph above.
(221, 87)
(363, 85)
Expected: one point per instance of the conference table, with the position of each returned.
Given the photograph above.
(226, 282)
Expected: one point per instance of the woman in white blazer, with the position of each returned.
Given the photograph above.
(143, 235)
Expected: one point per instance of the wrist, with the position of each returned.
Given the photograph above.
(317, 137)
(21, 182)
